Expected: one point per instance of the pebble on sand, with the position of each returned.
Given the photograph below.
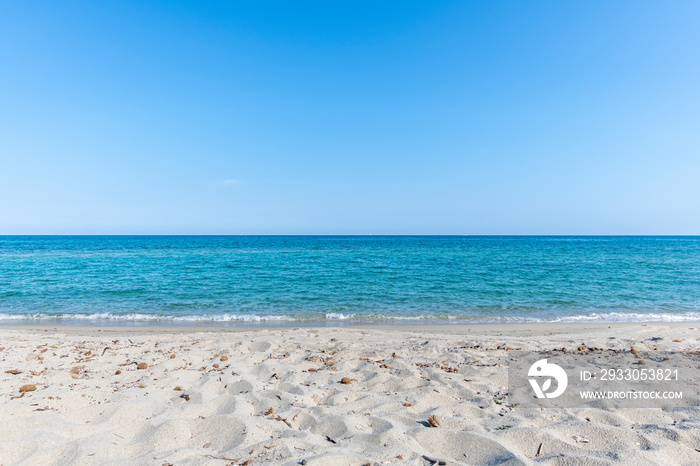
(142, 365)
(27, 388)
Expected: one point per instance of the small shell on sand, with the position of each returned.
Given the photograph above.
(118, 372)
(172, 356)
(434, 421)
(27, 388)
(633, 350)
(224, 358)
(142, 365)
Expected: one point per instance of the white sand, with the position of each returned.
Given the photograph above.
(94, 416)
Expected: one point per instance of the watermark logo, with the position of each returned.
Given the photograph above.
(553, 372)
(603, 378)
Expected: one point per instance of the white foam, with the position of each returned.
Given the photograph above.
(336, 316)
(135, 317)
(631, 317)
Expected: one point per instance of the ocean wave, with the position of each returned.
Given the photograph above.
(136, 317)
(631, 317)
(110, 317)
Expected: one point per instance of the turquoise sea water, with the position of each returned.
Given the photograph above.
(237, 279)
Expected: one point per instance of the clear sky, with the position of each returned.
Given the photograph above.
(350, 117)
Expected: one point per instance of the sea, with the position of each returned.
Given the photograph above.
(282, 280)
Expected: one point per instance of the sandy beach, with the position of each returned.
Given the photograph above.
(317, 396)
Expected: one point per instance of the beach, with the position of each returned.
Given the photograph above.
(318, 395)
(349, 233)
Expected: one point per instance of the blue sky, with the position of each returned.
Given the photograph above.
(256, 117)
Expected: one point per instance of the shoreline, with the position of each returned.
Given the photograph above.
(455, 328)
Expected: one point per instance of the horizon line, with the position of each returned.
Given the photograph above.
(352, 234)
